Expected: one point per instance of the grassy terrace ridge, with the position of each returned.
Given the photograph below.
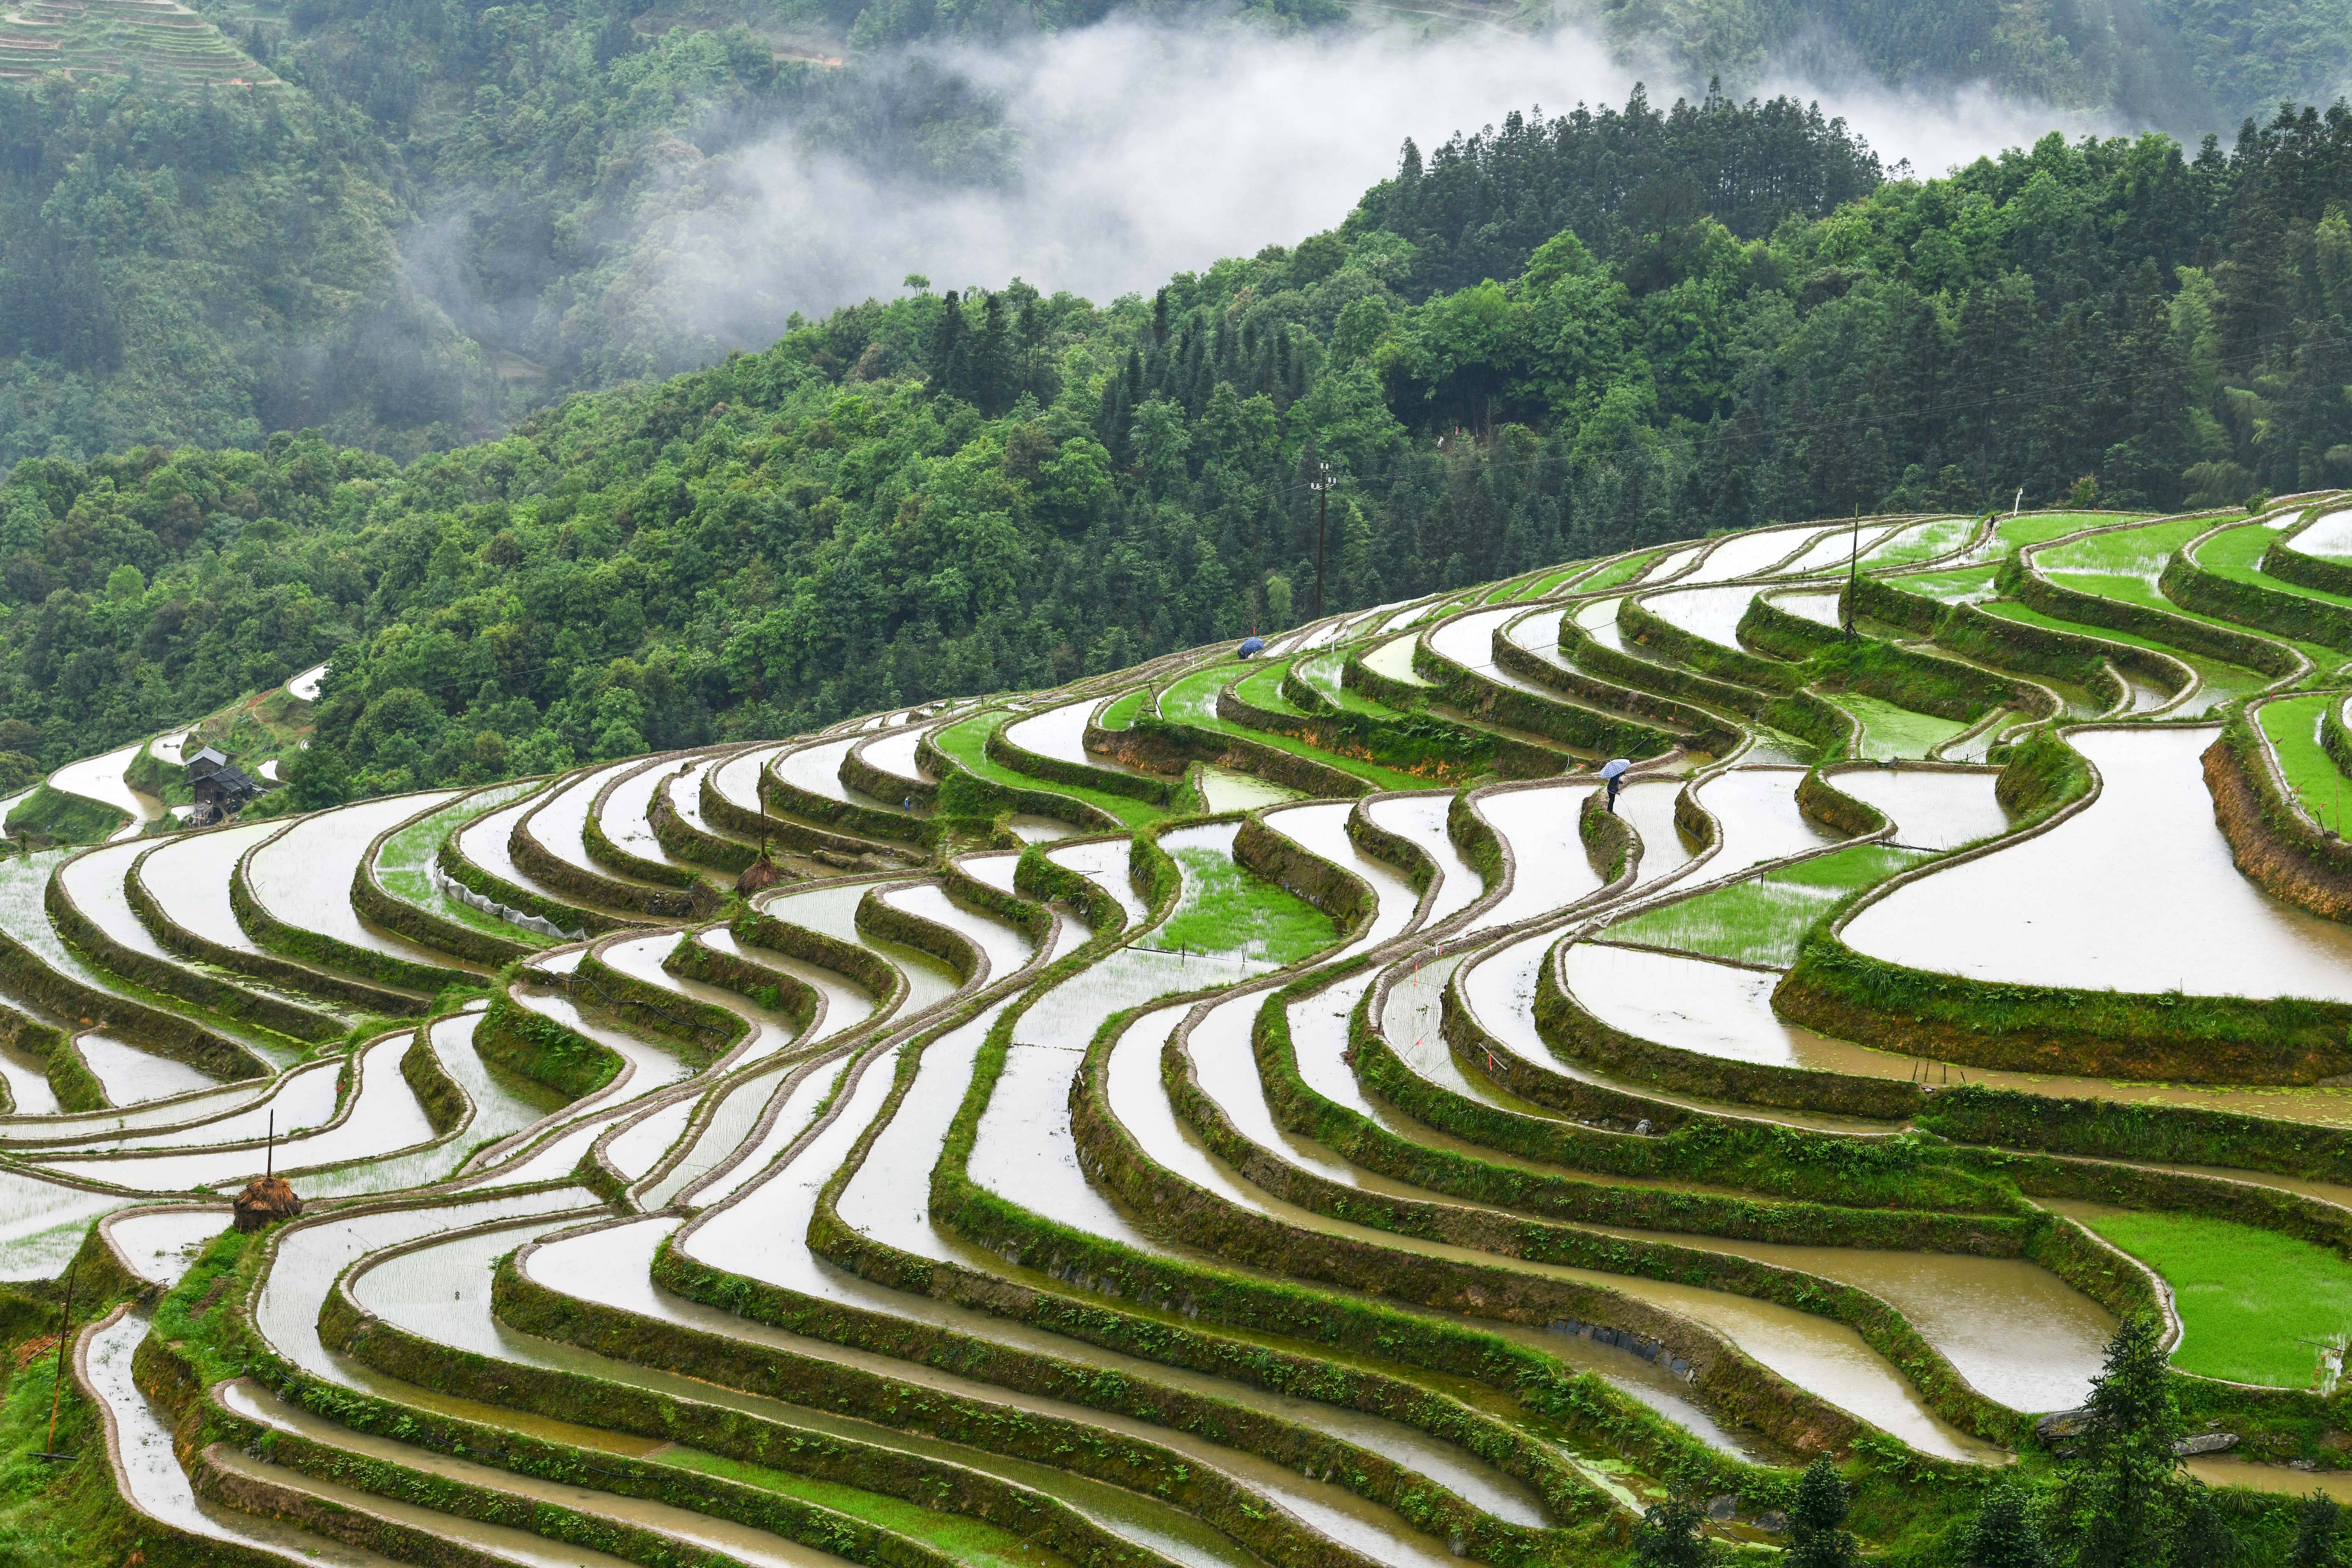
(1618, 573)
(1956, 586)
(64, 817)
(2123, 551)
(1225, 909)
(966, 743)
(1320, 670)
(2012, 533)
(1192, 699)
(2291, 726)
(1551, 582)
(1889, 732)
(2126, 573)
(2253, 1304)
(1120, 714)
(1761, 920)
(1938, 536)
(2232, 680)
(2237, 553)
(402, 866)
(1263, 689)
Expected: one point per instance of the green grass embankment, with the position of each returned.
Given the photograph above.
(1225, 910)
(404, 866)
(2124, 566)
(1617, 571)
(2251, 1302)
(1889, 732)
(2292, 725)
(1963, 586)
(64, 818)
(1263, 689)
(1761, 921)
(2229, 681)
(2238, 554)
(1193, 701)
(1120, 714)
(2038, 528)
(1320, 671)
(966, 744)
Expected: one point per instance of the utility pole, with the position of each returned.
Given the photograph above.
(1322, 483)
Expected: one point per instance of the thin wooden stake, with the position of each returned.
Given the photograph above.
(65, 1323)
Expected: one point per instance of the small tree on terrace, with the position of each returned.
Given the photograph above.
(1817, 1534)
(2126, 1498)
(2004, 1534)
(1670, 1536)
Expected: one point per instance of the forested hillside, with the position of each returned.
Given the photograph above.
(942, 495)
(2185, 65)
(430, 218)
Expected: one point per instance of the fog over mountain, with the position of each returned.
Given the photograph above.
(1133, 150)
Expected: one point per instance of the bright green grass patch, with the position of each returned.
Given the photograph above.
(1968, 586)
(1616, 572)
(403, 864)
(1225, 910)
(2238, 555)
(2249, 1299)
(52, 1513)
(1938, 536)
(1889, 732)
(1264, 690)
(2140, 553)
(1552, 582)
(1321, 672)
(1760, 921)
(966, 742)
(1222, 789)
(2037, 528)
(1120, 714)
(957, 1537)
(1193, 701)
(66, 817)
(2292, 725)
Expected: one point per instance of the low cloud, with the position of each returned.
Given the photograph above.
(1126, 152)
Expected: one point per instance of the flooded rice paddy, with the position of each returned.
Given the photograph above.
(990, 1189)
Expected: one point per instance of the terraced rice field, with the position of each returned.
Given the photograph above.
(166, 44)
(1353, 1171)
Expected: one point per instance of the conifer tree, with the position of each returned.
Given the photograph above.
(2004, 1533)
(1817, 1533)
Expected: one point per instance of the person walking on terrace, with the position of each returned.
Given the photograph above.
(1612, 774)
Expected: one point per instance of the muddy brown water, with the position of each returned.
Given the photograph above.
(1813, 1352)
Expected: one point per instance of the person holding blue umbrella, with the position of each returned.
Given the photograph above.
(1612, 774)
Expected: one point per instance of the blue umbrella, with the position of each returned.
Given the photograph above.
(1253, 645)
(1611, 769)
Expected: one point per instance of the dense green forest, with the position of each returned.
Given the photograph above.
(940, 495)
(2183, 66)
(434, 216)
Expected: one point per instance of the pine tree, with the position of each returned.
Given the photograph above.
(1817, 1536)
(2318, 1533)
(946, 361)
(2125, 1498)
(1669, 1536)
(2004, 1534)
